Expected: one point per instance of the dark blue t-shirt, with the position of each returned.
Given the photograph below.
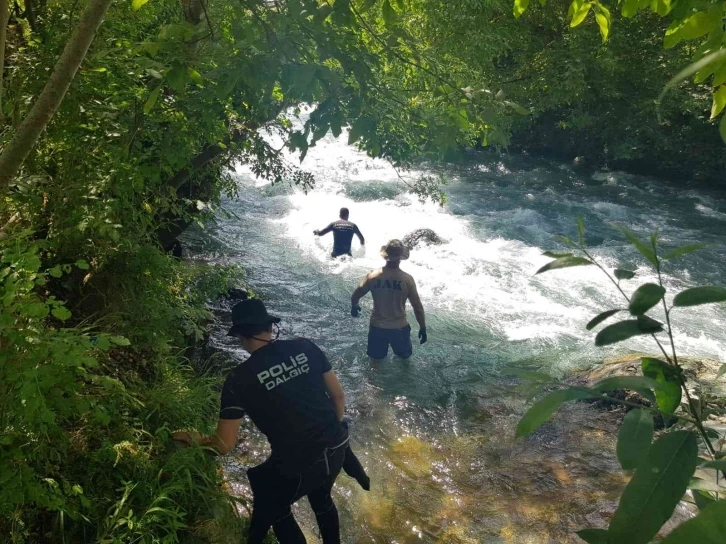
(281, 388)
(343, 232)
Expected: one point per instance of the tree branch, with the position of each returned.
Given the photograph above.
(4, 18)
(55, 89)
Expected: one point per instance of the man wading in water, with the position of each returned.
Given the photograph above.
(343, 231)
(391, 287)
(289, 390)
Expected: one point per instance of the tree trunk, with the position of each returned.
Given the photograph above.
(50, 98)
(4, 18)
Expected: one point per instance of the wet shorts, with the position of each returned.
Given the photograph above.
(398, 339)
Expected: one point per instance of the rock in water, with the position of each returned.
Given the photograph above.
(421, 236)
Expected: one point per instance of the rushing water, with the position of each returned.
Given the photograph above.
(437, 432)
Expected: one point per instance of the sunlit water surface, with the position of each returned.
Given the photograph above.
(436, 433)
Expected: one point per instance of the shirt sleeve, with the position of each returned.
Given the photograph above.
(321, 361)
(231, 403)
(327, 229)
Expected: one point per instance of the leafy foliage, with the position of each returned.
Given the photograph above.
(664, 469)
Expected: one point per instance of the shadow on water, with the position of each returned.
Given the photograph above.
(437, 432)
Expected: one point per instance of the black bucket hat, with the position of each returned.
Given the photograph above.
(250, 313)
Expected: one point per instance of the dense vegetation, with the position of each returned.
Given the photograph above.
(118, 121)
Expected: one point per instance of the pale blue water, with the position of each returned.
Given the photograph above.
(437, 432)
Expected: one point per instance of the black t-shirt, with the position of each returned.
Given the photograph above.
(343, 232)
(281, 388)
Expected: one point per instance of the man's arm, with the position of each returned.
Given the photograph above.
(323, 232)
(335, 392)
(361, 291)
(222, 441)
(360, 235)
(418, 310)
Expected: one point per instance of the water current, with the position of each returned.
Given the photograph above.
(436, 433)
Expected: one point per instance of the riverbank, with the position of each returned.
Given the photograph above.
(92, 393)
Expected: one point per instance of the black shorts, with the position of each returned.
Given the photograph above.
(398, 339)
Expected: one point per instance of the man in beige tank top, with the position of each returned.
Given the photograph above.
(390, 287)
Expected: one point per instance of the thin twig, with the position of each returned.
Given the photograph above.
(206, 17)
(681, 380)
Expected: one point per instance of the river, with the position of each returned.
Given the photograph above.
(437, 432)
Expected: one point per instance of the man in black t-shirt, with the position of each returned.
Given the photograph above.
(289, 390)
(343, 231)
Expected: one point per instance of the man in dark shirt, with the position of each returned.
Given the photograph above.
(289, 390)
(343, 231)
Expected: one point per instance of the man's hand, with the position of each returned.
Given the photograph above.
(187, 438)
(355, 310)
(422, 335)
(316, 232)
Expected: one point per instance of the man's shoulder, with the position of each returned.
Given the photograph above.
(373, 274)
(407, 277)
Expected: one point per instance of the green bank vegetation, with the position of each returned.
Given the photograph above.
(118, 123)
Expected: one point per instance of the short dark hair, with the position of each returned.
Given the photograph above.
(344, 213)
(249, 331)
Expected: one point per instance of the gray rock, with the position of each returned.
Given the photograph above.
(422, 236)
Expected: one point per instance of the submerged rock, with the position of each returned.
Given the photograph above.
(700, 374)
(421, 236)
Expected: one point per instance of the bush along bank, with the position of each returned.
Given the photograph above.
(92, 383)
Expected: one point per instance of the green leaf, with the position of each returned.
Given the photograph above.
(645, 297)
(656, 488)
(581, 229)
(645, 249)
(634, 438)
(708, 60)
(520, 6)
(580, 14)
(699, 24)
(195, 76)
(634, 383)
(685, 250)
(151, 101)
(61, 313)
(719, 101)
(708, 527)
(594, 536)
(543, 409)
(599, 318)
(390, 15)
(630, 8)
(359, 128)
(177, 78)
(138, 4)
(82, 264)
(622, 330)
(564, 262)
(668, 394)
(556, 255)
(602, 16)
(661, 7)
(721, 371)
(700, 295)
(702, 499)
(120, 340)
(719, 464)
(516, 107)
(622, 274)
(701, 484)
(56, 272)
